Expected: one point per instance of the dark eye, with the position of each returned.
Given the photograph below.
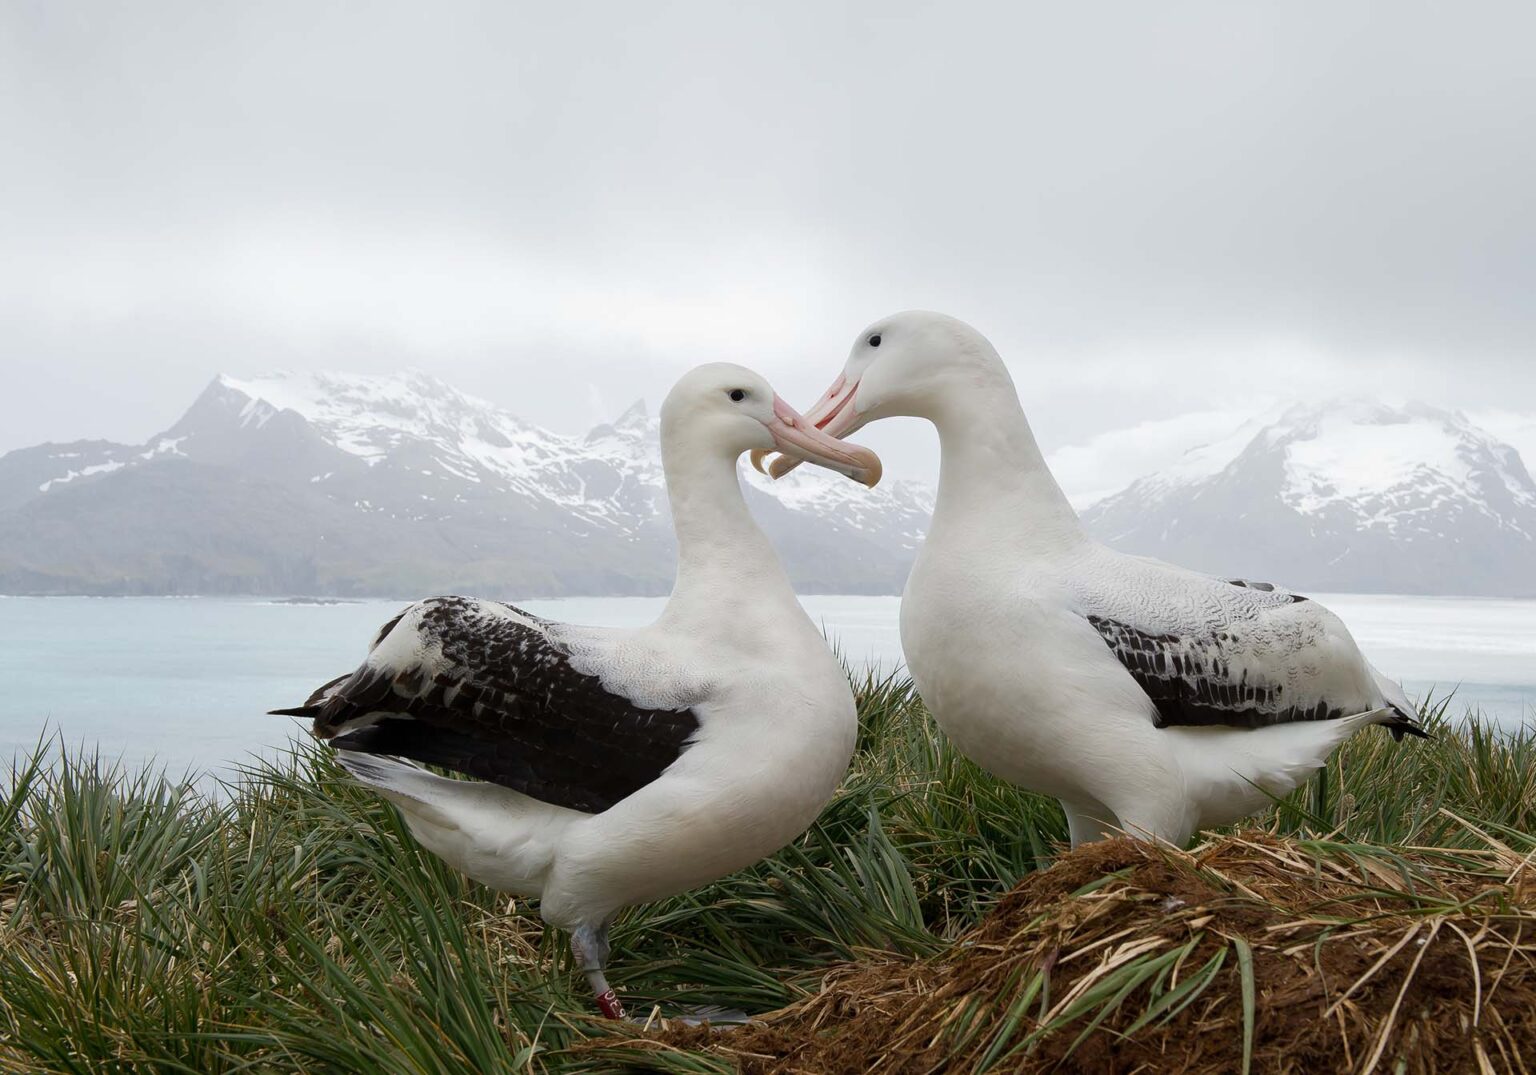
(874, 341)
(737, 395)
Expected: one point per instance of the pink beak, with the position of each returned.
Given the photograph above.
(798, 438)
(833, 416)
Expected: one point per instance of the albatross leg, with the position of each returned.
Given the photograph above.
(590, 946)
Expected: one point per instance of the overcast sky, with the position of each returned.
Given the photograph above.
(1163, 215)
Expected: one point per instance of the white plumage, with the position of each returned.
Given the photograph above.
(1146, 697)
(618, 766)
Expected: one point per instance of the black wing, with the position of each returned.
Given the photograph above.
(480, 688)
(1190, 679)
(1239, 654)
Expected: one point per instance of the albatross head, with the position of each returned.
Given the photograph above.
(911, 364)
(728, 408)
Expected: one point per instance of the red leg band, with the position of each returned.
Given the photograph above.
(608, 1001)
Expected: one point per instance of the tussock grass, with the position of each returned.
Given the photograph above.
(1250, 953)
(291, 923)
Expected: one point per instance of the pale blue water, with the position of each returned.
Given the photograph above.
(187, 681)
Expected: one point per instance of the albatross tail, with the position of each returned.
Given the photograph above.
(420, 794)
(495, 835)
(1404, 719)
(1234, 772)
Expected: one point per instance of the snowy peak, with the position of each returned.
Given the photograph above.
(401, 484)
(611, 477)
(1355, 451)
(635, 421)
(407, 398)
(633, 427)
(1383, 461)
(1363, 494)
(372, 416)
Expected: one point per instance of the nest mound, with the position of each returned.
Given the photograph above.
(1249, 953)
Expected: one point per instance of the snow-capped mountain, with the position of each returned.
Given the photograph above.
(1347, 495)
(398, 485)
(401, 485)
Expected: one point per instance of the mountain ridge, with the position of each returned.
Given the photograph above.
(395, 485)
(351, 485)
(1342, 495)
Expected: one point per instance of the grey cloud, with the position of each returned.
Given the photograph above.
(1152, 211)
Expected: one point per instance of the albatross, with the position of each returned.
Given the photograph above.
(615, 767)
(1149, 699)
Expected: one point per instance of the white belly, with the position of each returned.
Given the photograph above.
(739, 794)
(1012, 683)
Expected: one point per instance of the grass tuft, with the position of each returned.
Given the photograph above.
(290, 923)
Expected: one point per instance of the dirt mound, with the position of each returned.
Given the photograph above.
(1249, 952)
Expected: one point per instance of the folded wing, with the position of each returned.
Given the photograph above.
(483, 689)
(1236, 653)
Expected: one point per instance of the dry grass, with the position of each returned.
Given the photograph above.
(1251, 952)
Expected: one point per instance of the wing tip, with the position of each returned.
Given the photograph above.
(306, 711)
(1404, 724)
(315, 703)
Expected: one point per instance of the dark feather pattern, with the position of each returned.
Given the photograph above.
(490, 695)
(1264, 587)
(1190, 681)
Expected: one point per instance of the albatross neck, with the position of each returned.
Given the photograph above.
(992, 474)
(725, 565)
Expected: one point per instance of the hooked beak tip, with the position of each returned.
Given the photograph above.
(757, 456)
(808, 438)
(873, 473)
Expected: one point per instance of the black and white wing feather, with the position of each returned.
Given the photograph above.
(1234, 652)
(484, 689)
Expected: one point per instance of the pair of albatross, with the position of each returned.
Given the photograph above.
(615, 767)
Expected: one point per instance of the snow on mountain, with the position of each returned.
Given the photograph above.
(470, 439)
(632, 444)
(85, 471)
(401, 485)
(1107, 462)
(1396, 466)
(398, 484)
(1344, 495)
(375, 417)
(1515, 428)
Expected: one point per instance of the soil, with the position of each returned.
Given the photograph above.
(1356, 966)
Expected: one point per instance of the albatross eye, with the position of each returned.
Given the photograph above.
(874, 341)
(737, 395)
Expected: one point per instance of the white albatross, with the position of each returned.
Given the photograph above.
(1147, 698)
(616, 767)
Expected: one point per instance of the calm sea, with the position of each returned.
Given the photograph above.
(186, 681)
